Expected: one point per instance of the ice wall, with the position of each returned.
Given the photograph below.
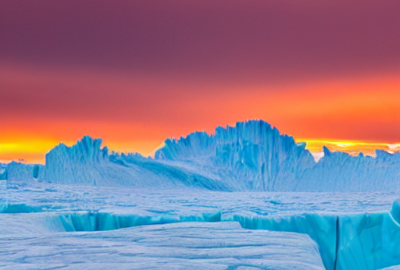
(321, 228)
(368, 241)
(20, 173)
(252, 156)
(338, 171)
(86, 163)
(77, 164)
(346, 242)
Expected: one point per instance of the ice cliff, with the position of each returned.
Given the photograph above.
(251, 156)
(366, 241)
(22, 173)
(338, 171)
(86, 163)
(3, 173)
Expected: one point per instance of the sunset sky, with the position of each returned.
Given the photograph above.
(137, 72)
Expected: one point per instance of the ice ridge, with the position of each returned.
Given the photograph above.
(251, 156)
(86, 163)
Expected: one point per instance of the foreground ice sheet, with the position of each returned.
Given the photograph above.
(352, 230)
(223, 245)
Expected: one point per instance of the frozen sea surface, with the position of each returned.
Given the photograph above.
(69, 227)
(223, 245)
(64, 198)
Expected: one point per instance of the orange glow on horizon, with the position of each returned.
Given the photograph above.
(34, 151)
(352, 115)
(351, 147)
(137, 72)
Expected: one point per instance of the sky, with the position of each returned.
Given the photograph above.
(137, 72)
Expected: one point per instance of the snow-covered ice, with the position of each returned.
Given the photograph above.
(340, 224)
(223, 245)
(252, 156)
(245, 197)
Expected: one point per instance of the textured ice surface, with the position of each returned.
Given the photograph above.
(22, 174)
(86, 164)
(352, 230)
(223, 245)
(101, 208)
(252, 156)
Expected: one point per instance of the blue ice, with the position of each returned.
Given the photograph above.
(246, 197)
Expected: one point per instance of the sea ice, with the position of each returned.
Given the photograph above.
(223, 245)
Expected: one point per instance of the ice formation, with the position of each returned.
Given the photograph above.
(346, 241)
(3, 173)
(252, 156)
(22, 173)
(87, 164)
(180, 194)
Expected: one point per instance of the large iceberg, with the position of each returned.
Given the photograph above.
(252, 156)
(86, 163)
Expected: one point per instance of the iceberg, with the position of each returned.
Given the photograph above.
(20, 173)
(251, 156)
(86, 163)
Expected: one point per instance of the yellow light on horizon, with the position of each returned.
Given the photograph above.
(351, 147)
(34, 150)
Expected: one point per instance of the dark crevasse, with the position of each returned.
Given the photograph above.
(337, 243)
